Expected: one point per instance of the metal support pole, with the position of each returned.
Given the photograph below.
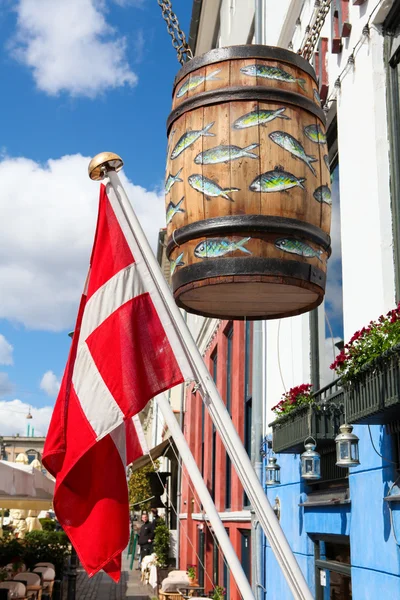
(217, 409)
(71, 575)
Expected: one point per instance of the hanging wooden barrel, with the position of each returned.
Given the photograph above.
(248, 199)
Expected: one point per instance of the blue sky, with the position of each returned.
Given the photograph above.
(78, 77)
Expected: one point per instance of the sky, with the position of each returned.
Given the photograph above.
(78, 77)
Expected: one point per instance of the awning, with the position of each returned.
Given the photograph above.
(24, 487)
(163, 449)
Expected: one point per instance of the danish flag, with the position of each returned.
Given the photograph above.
(124, 352)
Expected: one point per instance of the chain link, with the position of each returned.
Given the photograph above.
(309, 45)
(179, 42)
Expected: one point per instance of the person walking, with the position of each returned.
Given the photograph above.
(146, 536)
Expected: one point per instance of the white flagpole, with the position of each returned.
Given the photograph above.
(205, 498)
(216, 408)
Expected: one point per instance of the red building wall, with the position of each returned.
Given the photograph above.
(193, 529)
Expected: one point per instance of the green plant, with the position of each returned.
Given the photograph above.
(139, 486)
(10, 549)
(3, 574)
(46, 546)
(368, 345)
(219, 593)
(161, 542)
(191, 571)
(48, 524)
(295, 397)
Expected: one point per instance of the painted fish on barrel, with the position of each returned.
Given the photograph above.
(295, 246)
(315, 134)
(210, 188)
(188, 138)
(224, 154)
(317, 97)
(259, 117)
(171, 179)
(323, 194)
(268, 72)
(326, 161)
(178, 262)
(194, 81)
(277, 180)
(173, 209)
(216, 247)
(296, 149)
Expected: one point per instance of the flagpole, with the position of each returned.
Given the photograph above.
(211, 513)
(107, 164)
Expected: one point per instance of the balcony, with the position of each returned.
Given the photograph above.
(321, 420)
(374, 398)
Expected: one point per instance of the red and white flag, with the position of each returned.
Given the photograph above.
(124, 351)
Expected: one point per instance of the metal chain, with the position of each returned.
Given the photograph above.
(179, 42)
(315, 31)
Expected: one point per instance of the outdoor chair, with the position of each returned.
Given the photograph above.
(48, 575)
(45, 564)
(32, 581)
(16, 588)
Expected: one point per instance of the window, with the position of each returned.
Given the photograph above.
(215, 562)
(228, 464)
(226, 575)
(248, 345)
(201, 555)
(332, 568)
(214, 359)
(392, 50)
(245, 535)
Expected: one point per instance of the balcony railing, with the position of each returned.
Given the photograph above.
(321, 420)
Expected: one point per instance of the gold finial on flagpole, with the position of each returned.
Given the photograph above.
(105, 161)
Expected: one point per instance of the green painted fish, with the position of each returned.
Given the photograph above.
(213, 248)
(289, 143)
(326, 161)
(188, 138)
(196, 80)
(323, 194)
(315, 134)
(221, 154)
(268, 72)
(171, 179)
(259, 117)
(172, 209)
(277, 180)
(294, 246)
(178, 262)
(208, 187)
(317, 97)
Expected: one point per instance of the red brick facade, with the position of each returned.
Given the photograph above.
(230, 364)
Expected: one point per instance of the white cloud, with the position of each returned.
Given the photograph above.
(6, 387)
(46, 234)
(50, 384)
(70, 47)
(6, 351)
(13, 418)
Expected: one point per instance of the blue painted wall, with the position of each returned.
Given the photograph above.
(375, 556)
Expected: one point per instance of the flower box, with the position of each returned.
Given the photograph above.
(373, 397)
(320, 419)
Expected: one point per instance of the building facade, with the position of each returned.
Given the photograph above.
(343, 528)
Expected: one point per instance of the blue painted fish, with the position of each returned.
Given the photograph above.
(269, 72)
(188, 138)
(277, 180)
(171, 179)
(178, 262)
(208, 187)
(317, 97)
(213, 248)
(289, 143)
(323, 194)
(295, 246)
(315, 134)
(196, 80)
(326, 161)
(259, 117)
(221, 154)
(172, 209)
